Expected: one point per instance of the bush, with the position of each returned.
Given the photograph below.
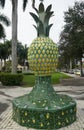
(29, 73)
(19, 71)
(11, 79)
(8, 66)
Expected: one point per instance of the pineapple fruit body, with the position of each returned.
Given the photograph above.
(42, 56)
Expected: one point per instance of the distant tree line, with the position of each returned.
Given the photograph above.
(5, 52)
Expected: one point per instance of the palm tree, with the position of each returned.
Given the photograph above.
(14, 29)
(14, 35)
(22, 53)
(3, 53)
(25, 3)
(1, 58)
(3, 20)
(14, 32)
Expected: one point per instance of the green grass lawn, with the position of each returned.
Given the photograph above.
(29, 80)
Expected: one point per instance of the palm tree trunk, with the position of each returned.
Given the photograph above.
(14, 35)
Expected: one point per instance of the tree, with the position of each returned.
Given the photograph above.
(66, 49)
(1, 57)
(3, 21)
(5, 51)
(14, 29)
(25, 3)
(9, 46)
(72, 35)
(14, 33)
(22, 53)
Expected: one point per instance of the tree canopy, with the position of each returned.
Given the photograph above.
(72, 36)
(4, 20)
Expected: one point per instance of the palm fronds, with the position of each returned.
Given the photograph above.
(2, 3)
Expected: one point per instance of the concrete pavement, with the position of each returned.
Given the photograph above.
(9, 93)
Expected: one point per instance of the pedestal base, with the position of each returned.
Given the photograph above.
(43, 108)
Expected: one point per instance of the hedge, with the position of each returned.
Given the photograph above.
(11, 79)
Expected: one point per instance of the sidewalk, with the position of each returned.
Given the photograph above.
(8, 94)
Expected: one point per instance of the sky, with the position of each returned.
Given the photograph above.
(26, 31)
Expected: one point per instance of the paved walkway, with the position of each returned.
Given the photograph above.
(9, 93)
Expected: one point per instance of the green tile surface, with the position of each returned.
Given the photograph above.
(43, 108)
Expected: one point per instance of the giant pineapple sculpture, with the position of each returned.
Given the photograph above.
(43, 108)
(43, 52)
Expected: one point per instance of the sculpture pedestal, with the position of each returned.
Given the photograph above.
(43, 108)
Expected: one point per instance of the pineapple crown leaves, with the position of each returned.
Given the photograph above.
(47, 16)
(41, 8)
(48, 8)
(35, 17)
(42, 19)
(48, 29)
(39, 27)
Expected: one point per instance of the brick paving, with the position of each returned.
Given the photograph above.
(8, 94)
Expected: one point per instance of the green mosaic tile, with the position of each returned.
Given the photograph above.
(43, 108)
(42, 56)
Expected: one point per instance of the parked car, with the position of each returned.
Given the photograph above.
(71, 72)
(77, 72)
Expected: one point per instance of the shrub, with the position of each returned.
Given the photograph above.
(8, 66)
(29, 73)
(19, 71)
(11, 79)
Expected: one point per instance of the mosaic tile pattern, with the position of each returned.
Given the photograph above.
(43, 108)
(42, 56)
